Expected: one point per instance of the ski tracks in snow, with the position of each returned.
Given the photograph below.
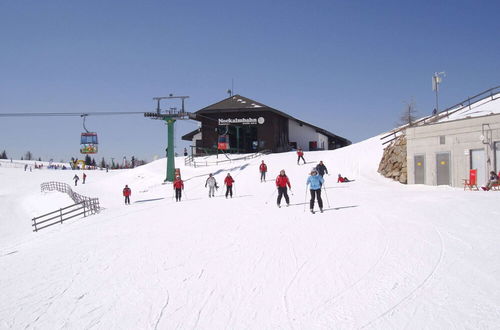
(286, 294)
(363, 277)
(413, 294)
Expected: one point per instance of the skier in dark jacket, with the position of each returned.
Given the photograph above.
(76, 178)
(281, 183)
(321, 168)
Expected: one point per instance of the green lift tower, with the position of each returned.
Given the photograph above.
(170, 117)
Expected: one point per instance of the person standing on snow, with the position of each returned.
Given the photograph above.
(321, 168)
(212, 185)
(281, 183)
(84, 177)
(228, 181)
(315, 182)
(263, 170)
(178, 187)
(127, 192)
(300, 154)
(76, 178)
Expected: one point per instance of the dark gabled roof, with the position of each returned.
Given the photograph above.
(237, 103)
(189, 136)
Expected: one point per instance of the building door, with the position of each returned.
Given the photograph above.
(477, 162)
(443, 168)
(497, 157)
(419, 166)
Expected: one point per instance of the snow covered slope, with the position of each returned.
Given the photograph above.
(382, 255)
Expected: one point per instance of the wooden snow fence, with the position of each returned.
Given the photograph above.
(83, 206)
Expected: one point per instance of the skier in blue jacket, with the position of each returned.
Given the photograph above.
(315, 182)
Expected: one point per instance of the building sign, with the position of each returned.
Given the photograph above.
(241, 121)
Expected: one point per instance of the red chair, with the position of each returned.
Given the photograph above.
(496, 186)
(472, 181)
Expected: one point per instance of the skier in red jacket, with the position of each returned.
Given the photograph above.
(127, 192)
(178, 187)
(281, 182)
(263, 170)
(228, 181)
(300, 154)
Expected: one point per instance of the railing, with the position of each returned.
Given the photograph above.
(198, 163)
(64, 188)
(188, 160)
(492, 93)
(85, 208)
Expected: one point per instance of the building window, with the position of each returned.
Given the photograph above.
(442, 139)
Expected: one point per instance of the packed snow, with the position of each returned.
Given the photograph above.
(487, 106)
(383, 255)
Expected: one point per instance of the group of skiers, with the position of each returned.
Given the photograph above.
(76, 178)
(315, 183)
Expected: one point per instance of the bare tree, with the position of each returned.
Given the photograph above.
(408, 116)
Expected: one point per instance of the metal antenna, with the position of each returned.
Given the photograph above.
(436, 80)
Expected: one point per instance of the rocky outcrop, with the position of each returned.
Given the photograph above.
(393, 163)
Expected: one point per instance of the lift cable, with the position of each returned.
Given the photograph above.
(66, 114)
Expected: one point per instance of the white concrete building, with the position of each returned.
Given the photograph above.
(443, 153)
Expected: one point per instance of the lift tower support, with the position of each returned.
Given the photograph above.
(170, 117)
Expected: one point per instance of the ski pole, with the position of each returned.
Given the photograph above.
(326, 195)
(185, 195)
(270, 196)
(305, 200)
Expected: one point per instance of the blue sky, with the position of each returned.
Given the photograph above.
(347, 66)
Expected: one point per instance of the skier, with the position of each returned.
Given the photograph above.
(25, 167)
(84, 177)
(228, 181)
(263, 170)
(315, 182)
(127, 192)
(341, 179)
(178, 187)
(300, 154)
(281, 183)
(212, 185)
(321, 168)
(76, 178)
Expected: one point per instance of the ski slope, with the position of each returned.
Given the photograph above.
(382, 255)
